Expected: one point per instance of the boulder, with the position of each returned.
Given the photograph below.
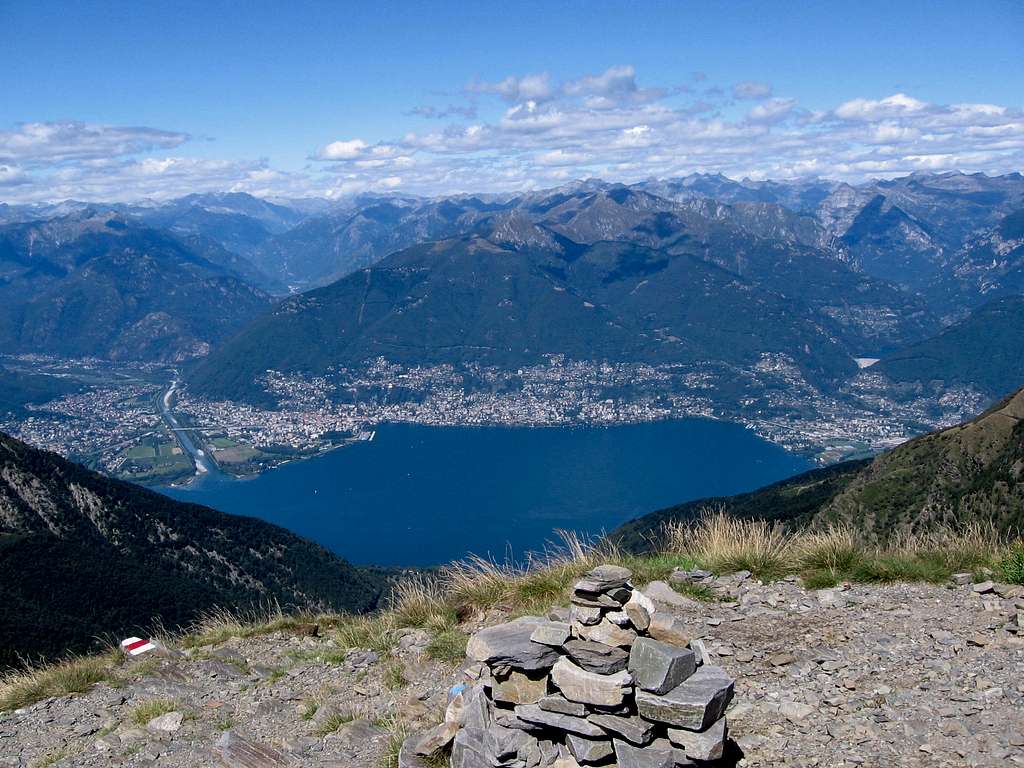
(603, 579)
(669, 630)
(701, 745)
(695, 704)
(660, 592)
(658, 754)
(551, 633)
(659, 667)
(633, 729)
(589, 751)
(556, 702)
(519, 687)
(509, 644)
(577, 684)
(639, 616)
(609, 634)
(581, 614)
(166, 723)
(469, 749)
(531, 713)
(597, 657)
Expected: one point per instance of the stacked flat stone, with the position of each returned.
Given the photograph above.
(611, 681)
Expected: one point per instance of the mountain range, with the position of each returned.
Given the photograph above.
(83, 556)
(970, 473)
(825, 272)
(95, 284)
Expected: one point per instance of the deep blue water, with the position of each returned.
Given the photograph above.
(427, 495)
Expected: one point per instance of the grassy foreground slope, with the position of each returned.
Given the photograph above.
(969, 474)
(82, 556)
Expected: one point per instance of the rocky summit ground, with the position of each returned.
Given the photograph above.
(907, 674)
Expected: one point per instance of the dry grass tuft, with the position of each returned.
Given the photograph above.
(837, 549)
(23, 688)
(725, 544)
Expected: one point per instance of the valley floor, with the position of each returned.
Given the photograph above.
(905, 674)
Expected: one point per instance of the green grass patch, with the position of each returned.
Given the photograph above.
(448, 646)
(1011, 565)
(821, 579)
(333, 722)
(147, 710)
(394, 676)
(22, 689)
(887, 569)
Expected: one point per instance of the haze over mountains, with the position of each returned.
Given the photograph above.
(698, 268)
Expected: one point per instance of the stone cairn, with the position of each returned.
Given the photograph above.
(611, 681)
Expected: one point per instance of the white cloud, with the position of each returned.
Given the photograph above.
(533, 131)
(772, 110)
(897, 105)
(343, 150)
(751, 89)
(56, 142)
(527, 88)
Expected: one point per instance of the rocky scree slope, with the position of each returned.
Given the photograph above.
(869, 675)
(83, 556)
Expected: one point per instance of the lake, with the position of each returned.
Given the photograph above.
(419, 495)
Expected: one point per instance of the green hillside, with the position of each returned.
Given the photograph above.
(985, 350)
(83, 557)
(973, 472)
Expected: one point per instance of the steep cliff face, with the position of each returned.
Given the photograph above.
(82, 555)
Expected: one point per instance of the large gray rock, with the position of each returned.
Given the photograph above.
(509, 644)
(556, 702)
(603, 579)
(551, 633)
(695, 704)
(669, 629)
(597, 657)
(531, 713)
(519, 687)
(608, 633)
(660, 592)
(581, 614)
(633, 729)
(432, 740)
(659, 667)
(589, 751)
(577, 684)
(658, 754)
(701, 745)
(469, 749)
(470, 709)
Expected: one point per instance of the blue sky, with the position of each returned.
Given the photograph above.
(121, 100)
